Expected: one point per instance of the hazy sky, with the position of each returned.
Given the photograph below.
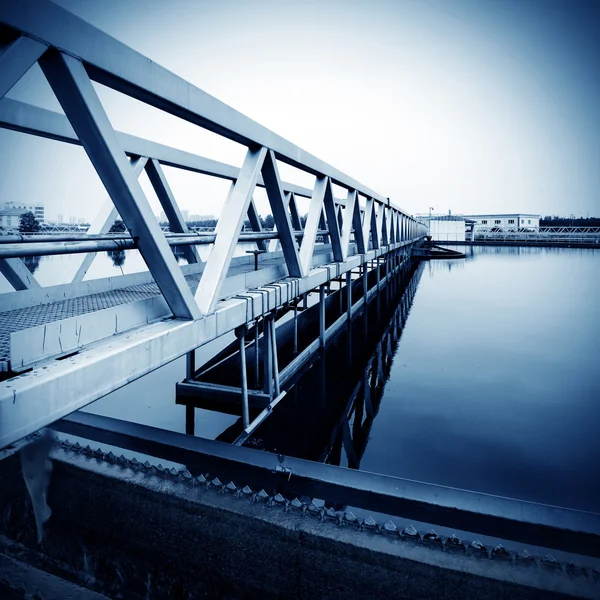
(470, 105)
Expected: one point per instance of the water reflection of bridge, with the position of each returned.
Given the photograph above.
(329, 412)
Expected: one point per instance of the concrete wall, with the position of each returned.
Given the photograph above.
(119, 530)
(447, 231)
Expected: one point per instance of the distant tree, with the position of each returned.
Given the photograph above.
(556, 221)
(29, 224)
(268, 222)
(117, 227)
(209, 223)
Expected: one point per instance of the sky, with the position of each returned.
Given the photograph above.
(473, 106)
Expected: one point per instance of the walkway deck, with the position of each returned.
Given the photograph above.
(12, 321)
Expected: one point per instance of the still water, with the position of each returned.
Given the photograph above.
(495, 384)
(492, 382)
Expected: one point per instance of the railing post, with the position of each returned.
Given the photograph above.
(296, 327)
(322, 315)
(256, 356)
(274, 350)
(349, 294)
(267, 358)
(240, 332)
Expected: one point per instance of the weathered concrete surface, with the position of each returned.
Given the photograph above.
(21, 580)
(157, 536)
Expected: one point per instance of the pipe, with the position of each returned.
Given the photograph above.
(20, 250)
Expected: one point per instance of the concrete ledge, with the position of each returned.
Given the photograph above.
(165, 537)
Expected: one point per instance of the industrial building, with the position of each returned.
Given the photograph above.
(514, 220)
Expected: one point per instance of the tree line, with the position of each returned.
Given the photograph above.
(556, 221)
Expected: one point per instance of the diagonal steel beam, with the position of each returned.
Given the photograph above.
(17, 59)
(74, 90)
(281, 215)
(255, 223)
(167, 201)
(312, 224)
(228, 231)
(296, 221)
(17, 274)
(368, 222)
(359, 238)
(332, 223)
(348, 221)
(101, 224)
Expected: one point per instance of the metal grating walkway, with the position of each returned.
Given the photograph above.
(24, 318)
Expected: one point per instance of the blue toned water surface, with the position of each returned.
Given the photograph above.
(495, 384)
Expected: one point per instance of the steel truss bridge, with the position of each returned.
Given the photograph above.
(175, 310)
(65, 346)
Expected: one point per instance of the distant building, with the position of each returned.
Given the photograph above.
(37, 209)
(516, 220)
(449, 228)
(10, 218)
(194, 218)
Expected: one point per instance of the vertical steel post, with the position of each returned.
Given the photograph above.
(245, 410)
(365, 283)
(256, 356)
(190, 409)
(267, 358)
(275, 361)
(322, 315)
(296, 328)
(349, 294)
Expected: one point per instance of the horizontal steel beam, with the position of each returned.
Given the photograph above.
(507, 518)
(194, 389)
(219, 398)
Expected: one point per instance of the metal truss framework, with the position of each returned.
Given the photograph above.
(72, 54)
(538, 234)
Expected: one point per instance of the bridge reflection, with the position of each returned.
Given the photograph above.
(329, 412)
